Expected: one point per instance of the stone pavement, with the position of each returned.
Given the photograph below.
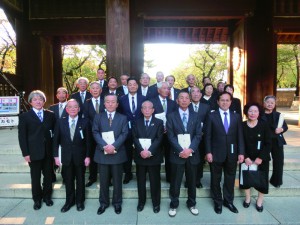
(281, 206)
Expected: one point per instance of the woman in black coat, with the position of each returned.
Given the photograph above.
(278, 126)
(257, 152)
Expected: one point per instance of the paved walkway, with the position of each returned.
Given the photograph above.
(277, 210)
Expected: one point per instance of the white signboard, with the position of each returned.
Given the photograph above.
(9, 121)
(9, 105)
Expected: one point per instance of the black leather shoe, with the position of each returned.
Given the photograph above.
(140, 207)
(218, 208)
(118, 209)
(90, 183)
(80, 206)
(66, 207)
(101, 210)
(246, 204)
(156, 209)
(48, 202)
(37, 205)
(259, 208)
(127, 179)
(231, 207)
(199, 185)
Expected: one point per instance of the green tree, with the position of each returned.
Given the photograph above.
(207, 61)
(288, 66)
(82, 61)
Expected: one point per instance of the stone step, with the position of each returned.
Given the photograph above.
(11, 163)
(17, 185)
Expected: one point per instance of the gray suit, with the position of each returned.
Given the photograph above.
(178, 164)
(110, 164)
(225, 148)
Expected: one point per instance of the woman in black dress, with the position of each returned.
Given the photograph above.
(277, 129)
(257, 144)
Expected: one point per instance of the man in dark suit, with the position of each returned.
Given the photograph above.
(73, 134)
(203, 110)
(224, 147)
(163, 105)
(93, 106)
(148, 158)
(35, 132)
(129, 106)
(191, 81)
(183, 124)
(110, 130)
(101, 79)
(112, 88)
(123, 90)
(59, 110)
(173, 91)
(82, 95)
(144, 88)
(153, 88)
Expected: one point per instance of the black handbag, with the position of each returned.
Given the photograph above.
(254, 178)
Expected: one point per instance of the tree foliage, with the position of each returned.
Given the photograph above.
(82, 61)
(206, 61)
(7, 47)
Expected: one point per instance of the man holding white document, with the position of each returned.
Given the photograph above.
(184, 134)
(110, 131)
(147, 137)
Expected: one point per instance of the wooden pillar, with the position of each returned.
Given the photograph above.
(117, 37)
(57, 64)
(136, 41)
(260, 52)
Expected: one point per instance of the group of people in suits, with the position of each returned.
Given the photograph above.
(150, 125)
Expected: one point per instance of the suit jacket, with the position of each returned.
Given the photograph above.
(120, 130)
(78, 148)
(120, 90)
(105, 92)
(236, 106)
(104, 86)
(273, 126)
(151, 93)
(175, 127)
(158, 108)
(185, 89)
(55, 108)
(155, 133)
(124, 108)
(176, 93)
(221, 145)
(77, 96)
(203, 112)
(89, 110)
(35, 137)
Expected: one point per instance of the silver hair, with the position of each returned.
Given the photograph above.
(95, 82)
(82, 78)
(160, 84)
(269, 97)
(147, 101)
(36, 93)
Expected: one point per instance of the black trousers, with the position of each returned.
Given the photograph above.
(93, 167)
(72, 173)
(177, 171)
(166, 150)
(105, 173)
(155, 186)
(127, 166)
(229, 179)
(37, 168)
(199, 174)
(278, 161)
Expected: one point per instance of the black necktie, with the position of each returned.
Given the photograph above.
(133, 105)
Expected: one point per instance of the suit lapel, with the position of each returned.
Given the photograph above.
(178, 120)
(219, 119)
(67, 128)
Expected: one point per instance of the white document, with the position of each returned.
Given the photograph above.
(109, 138)
(161, 116)
(184, 140)
(253, 167)
(280, 121)
(59, 154)
(145, 143)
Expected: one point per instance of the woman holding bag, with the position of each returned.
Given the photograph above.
(257, 152)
